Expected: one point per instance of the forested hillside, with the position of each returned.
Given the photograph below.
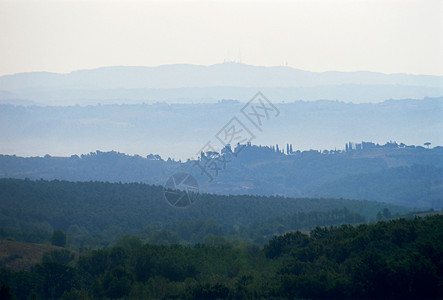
(96, 213)
(394, 173)
(416, 185)
(398, 259)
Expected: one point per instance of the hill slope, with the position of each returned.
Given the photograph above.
(112, 209)
(20, 256)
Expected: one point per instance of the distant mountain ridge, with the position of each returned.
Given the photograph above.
(186, 75)
(209, 84)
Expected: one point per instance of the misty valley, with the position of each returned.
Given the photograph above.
(223, 181)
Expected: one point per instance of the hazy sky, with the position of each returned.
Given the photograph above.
(61, 36)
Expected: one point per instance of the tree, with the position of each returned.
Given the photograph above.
(379, 216)
(58, 238)
(63, 257)
(387, 213)
(427, 144)
(117, 282)
(128, 242)
(55, 279)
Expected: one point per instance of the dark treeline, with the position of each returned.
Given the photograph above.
(397, 259)
(94, 214)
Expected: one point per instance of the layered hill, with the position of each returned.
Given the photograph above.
(191, 83)
(392, 173)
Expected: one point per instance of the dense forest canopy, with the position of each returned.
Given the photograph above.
(90, 212)
(398, 259)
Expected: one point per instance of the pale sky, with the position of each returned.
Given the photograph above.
(61, 36)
